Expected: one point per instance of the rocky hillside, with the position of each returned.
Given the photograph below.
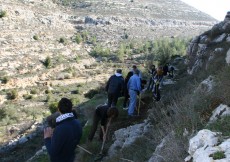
(41, 61)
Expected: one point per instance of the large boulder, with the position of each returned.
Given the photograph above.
(205, 144)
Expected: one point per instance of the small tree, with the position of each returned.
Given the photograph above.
(47, 62)
(2, 14)
(35, 37)
(13, 94)
(78, 38)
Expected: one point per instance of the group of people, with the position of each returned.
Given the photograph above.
(62, 141)
(157, 77)
(129, 87)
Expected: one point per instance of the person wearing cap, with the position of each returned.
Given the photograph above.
(115, 87)
(62, 141)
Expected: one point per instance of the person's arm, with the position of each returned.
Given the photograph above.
(47, 138)
(55, 143)
(107, 85)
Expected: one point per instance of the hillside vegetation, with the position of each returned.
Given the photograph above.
(54, 49)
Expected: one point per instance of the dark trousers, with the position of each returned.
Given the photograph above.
(151, 84)
(93, 129)
(112, 99)
(126, 95)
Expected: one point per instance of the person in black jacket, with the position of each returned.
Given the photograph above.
(61, 142)
(115, 87)
(126, 92)
(104, 114)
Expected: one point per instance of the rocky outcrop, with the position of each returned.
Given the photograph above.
(219, 112)
(209, 47)
(205, 144)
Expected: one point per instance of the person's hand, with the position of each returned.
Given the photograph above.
(48, 132)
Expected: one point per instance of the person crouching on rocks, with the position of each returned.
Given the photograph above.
(104, 114)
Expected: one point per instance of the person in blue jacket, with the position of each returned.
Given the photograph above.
(62, 141)
(134, 87)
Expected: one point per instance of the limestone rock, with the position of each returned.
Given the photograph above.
(220, 111)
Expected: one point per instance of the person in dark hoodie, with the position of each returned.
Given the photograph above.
(62, 141)
(115, 87)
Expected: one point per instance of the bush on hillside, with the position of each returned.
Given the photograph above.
(4, 80)
(163, 50)
(78, 38)
(53, 107)
(35, 37)
(47, 62)
(62, 40)
(99, 51)
(2, 14)
(13, 94)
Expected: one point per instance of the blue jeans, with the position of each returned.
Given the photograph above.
(132, 103)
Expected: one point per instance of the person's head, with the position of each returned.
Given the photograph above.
(134, 67)
(129, 74)
(65, 106)
(112, 112)
(153, 67)
(135, 71)
(119, 71)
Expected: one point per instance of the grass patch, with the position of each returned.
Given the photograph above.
(218, 155)
(221, 125)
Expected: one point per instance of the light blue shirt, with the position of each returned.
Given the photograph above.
(134, 83)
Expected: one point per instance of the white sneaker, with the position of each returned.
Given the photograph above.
(125, 108)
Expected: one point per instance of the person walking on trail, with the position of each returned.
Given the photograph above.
(115, 87)
(152, 72)
(157, 80)
(134, 68)
(104, 114)
(126, 92)
(62, 141)
(134, 87)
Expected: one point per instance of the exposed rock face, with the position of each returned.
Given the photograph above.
(207, 85)
(203, 50)
(219, 112)
(169, 149)
(205, 144)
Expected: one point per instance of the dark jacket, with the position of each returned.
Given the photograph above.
(66, 136)
(115, 85)
(101, 112)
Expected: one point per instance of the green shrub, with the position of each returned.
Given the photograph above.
(75, 101)
(13, 94)
(218, 155)
(35, 37)
(91, 93)
(27, 96)
(33, 91)
(78, 38)
(53, 107)
(47, 91)
(2, 113)
(99, 51)
(2, 14)
(47, 62)
(4, 80)
(221, 125)
(62, 40)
